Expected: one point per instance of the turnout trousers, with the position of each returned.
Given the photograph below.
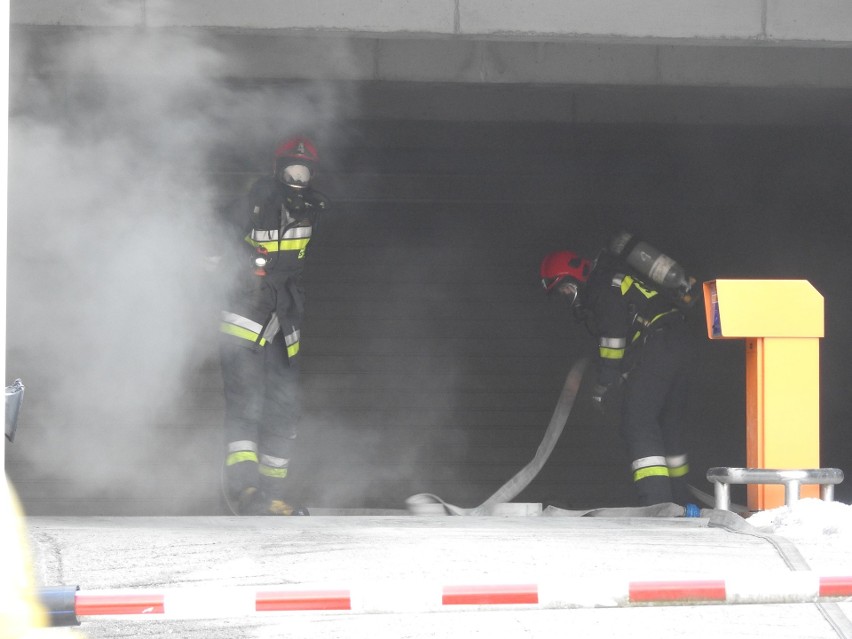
(260, 374)
(654, 413)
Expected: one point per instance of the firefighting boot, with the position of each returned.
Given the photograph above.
(271, 500)
(259, 504)
(240, 485)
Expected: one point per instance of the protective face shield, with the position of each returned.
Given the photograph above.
(296, 175)
(568, 289)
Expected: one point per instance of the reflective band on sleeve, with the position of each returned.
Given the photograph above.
(612, 353)
(242, 456)
(613, 342)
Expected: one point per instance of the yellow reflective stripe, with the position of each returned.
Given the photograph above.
(266, 244)
(241, 456)
(612, 353)
(243, 333)
(294, 245)
(679, 471)
(650, 471)
(269, 247)
(268, 471)
(292, 349)
(656, 317)
(628, 281)
(284, 245)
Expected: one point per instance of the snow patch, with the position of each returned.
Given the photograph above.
(806, 518)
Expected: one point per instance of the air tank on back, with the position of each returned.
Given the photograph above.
(651, 263)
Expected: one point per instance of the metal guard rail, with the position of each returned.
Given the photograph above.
(793, 479)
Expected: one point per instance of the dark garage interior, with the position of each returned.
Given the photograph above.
(432, 358)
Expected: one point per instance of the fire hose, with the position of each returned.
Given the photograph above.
(427, 502)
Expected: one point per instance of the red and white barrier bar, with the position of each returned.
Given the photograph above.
(221, 602)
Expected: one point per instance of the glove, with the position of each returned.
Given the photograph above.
(607, 397)
(599, 393)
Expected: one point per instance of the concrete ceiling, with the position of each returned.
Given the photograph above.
(743, 62)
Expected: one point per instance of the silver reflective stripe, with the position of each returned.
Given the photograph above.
(274, 462)
(264, 235)
(242, 322)
(613, 342)
(644, 462)
(271, 235)
(272, 328)
(298, 232)
(293, 337)
(674, 461)
(617, 280)
(236, 447)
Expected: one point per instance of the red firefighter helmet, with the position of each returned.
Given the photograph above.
(295, 161)
(297, 150)
(556, 267)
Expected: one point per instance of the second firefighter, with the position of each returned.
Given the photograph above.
(645, 352)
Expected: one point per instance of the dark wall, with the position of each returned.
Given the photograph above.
(433, 360)
(436, 361)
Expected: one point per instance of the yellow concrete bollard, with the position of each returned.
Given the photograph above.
(781, 322)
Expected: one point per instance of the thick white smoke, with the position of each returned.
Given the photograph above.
(112, 209)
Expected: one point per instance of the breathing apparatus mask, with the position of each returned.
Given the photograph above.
(296, 175)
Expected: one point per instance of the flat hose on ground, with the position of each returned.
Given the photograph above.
(427, 502)
(788, 551)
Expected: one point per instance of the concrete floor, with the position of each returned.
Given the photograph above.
(392, 553)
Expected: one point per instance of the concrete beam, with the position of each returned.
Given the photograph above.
(570, 60)
(822, 22)
(316, 56)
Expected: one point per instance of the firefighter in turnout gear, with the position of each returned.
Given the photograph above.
(260, 332)
(645, 351)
